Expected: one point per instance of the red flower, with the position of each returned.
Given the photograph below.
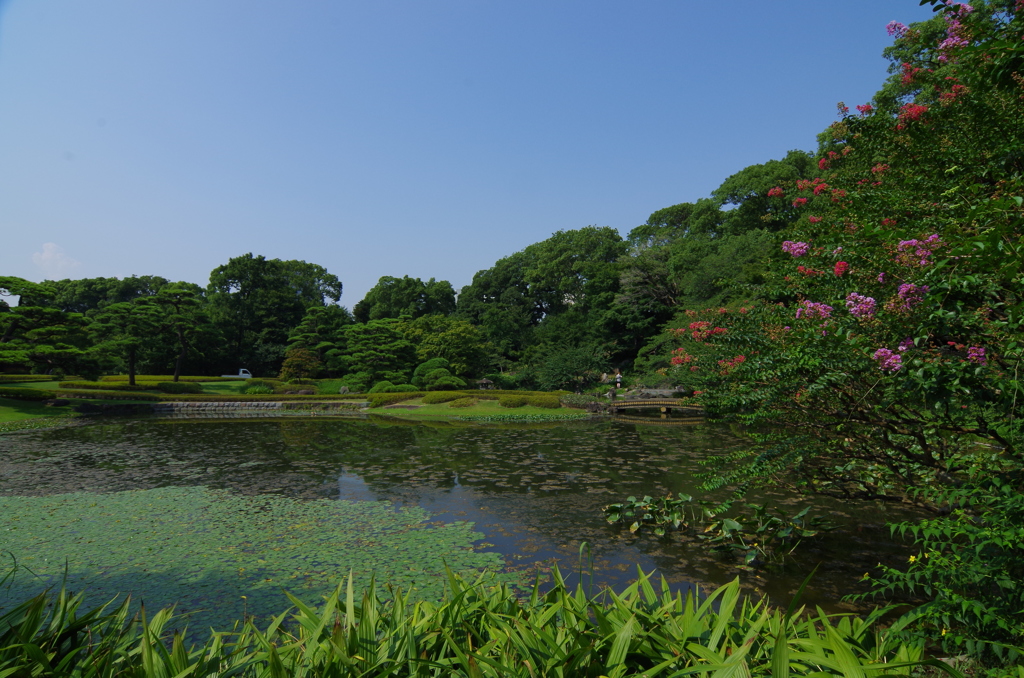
(799, 202)
(776, 192)
(841, 267)
(814, 220)
(823, 164)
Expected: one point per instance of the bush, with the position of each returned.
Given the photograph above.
(17, 393)
(462, 402)
(548, 402)
(382, 399)
(382, 387)
(161, 377)
(23, 378)
(259, 390)
(578, 401)
(438, 397)
(262, 383)
(112, 394)
(110, 386)
(178, 387)
(512, 401)
(404, 388)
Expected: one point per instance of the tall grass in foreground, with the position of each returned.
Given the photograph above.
(478, 630)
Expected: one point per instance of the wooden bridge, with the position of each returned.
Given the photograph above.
(665, 405)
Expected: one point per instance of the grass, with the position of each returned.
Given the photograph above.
(42, 385)
(224, 387)
(20, 410)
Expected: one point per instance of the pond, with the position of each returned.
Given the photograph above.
(221, 516)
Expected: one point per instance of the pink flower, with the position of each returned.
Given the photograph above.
(906, 344)
(799, 202)
(814, 220)
(865, 109)
(812, 309)
(895, 29)
(797, 249)
(776, 192)
(907, 297)
(840, 268)
(860, 306)
(881, 277)
(887, 360)
(823, 164)
(976, 354)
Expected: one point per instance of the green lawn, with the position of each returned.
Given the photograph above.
(43, 385)
(224, 387)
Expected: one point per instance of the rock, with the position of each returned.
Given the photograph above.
(343, 390)
(307, 392)
(58, 402)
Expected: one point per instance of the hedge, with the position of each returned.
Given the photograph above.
(462, 402)
(101, 395)
(23, 378)
(513, 401)
(548, 402)
(382, 399)
(438, 397)
(19, 393)
(100, 386)
(165, 377)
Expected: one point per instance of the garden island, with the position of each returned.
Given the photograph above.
(436, 484)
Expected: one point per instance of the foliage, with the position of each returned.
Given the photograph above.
(178, 387)
(580, 401)
(22, 393)
(463, 402)
(258, 390)
(382, 387)
(124, 330)
(887, 358)
(757, 534)
(169, 377)
(255, 302)
(438, 397)
(969, 564)
(478, 629)
(300, 363)
(547, 402)
(513, 401)
(405, 296)
(375, 351)
(37, 334)
(572, 367)
(384, 399)
(464, 348)
(108, 386)
(20, 378)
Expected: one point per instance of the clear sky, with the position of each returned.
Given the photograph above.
(394, 137)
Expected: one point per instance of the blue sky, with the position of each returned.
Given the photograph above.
(393, 137)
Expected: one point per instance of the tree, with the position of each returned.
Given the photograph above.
(320, 331)
(124, 329)
(375, 351)
(256, 302)
(463, 346)
(181, 315)
(34, 333)
(886, 360)
(300, 363)
(396, 297)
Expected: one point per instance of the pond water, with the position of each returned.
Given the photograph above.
(153, 497)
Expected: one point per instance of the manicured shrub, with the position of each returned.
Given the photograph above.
(179, 387)
(382, 399)
(23, 378)
(16, 393)
(462, 402)
(262, 383)
(438, 397)
(404, 388)
(548, 402)
(107, 386)
(579, 401)
(512, 401)
(382, 387)
(162, 377)
(258, 390)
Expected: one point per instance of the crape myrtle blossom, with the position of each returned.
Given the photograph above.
(976, 354)
(840, 268)
(860, 306)
(896, 29)
(917, 252)
(907, 297)
(888, 361)
(797, 249)
(813, 309)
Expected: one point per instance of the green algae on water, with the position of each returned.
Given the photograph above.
(218, 556)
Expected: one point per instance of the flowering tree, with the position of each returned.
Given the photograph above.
(886, 359)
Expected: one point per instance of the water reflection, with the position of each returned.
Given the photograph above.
(534, 491)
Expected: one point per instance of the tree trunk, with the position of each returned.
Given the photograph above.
(131, 367)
